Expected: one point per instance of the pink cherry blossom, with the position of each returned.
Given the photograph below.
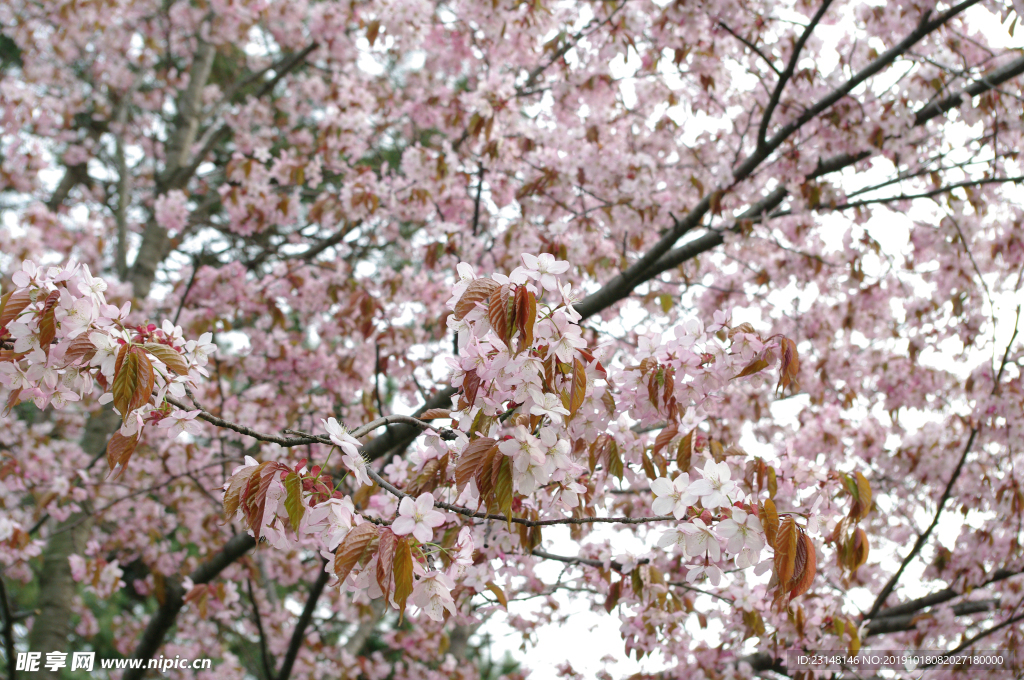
(418, 518)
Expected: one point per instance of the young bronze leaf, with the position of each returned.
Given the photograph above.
(471, 460)
(169, 356)
(385, 560)
(498, 593)
(773, 482)
(402, 574)
(47, 322)
(497, 313)
(470, 386)
(770, 521)
(614, 460)
(431, 414)
(479, 290)
(120, 450)
(755, 366)
(293, 500)
(648, 466)
(666, 435)
(803, 579)
(684, 454)
(785, 552)
(614, 593)
(859, 553)
(126, 383)
(233, 495)
(863, 495)
(790, 366)
(147, 380)
(352, 549)
(578, 391)
(11, 305)
(80, 350)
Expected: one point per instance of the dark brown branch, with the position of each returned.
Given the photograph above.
(983, 634)
(753, 48)
(299, 634)
(773, 102)
(268, 667)
(993, 80)
(946, 494)
(163, 619)
(5, 609)
(944, 595)
(899, 624)
(660, 258)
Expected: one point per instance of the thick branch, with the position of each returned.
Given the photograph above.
(299, 634)
(5, 609)
(163, 619)
(788, 73)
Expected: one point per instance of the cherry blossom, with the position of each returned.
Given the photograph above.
(432, 594)
(700, 540)
(418, 517)
(673, 496)
(716, 488)
(742, 531)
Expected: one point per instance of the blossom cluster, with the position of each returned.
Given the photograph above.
(66, 340)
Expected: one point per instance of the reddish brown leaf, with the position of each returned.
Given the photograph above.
(478, 290)
(472, 459)
(147, 380)
(385, 560)
(526, 317)
(498, 313)
(803, 578)
(614, 593)
(126, 383)
(11, 305)
(120, 450)
(402, 574)
(666, 435)
(431, 414)
(353, 549)
(80, 350)
(684, 454)
(470, 387)
(785, 551)
(47, 322)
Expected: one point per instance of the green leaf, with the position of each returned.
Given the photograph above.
(293, 500)
(171, 358)
(614, 460)
(578, 391)
(503, 489)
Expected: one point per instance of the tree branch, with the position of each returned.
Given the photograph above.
(268, 667)
(163, 619)
(773, 101)
(5, 609)
(751, 46)
(946, 494)
(299, 634)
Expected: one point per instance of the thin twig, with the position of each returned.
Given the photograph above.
(762, 131)
(946, 494)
